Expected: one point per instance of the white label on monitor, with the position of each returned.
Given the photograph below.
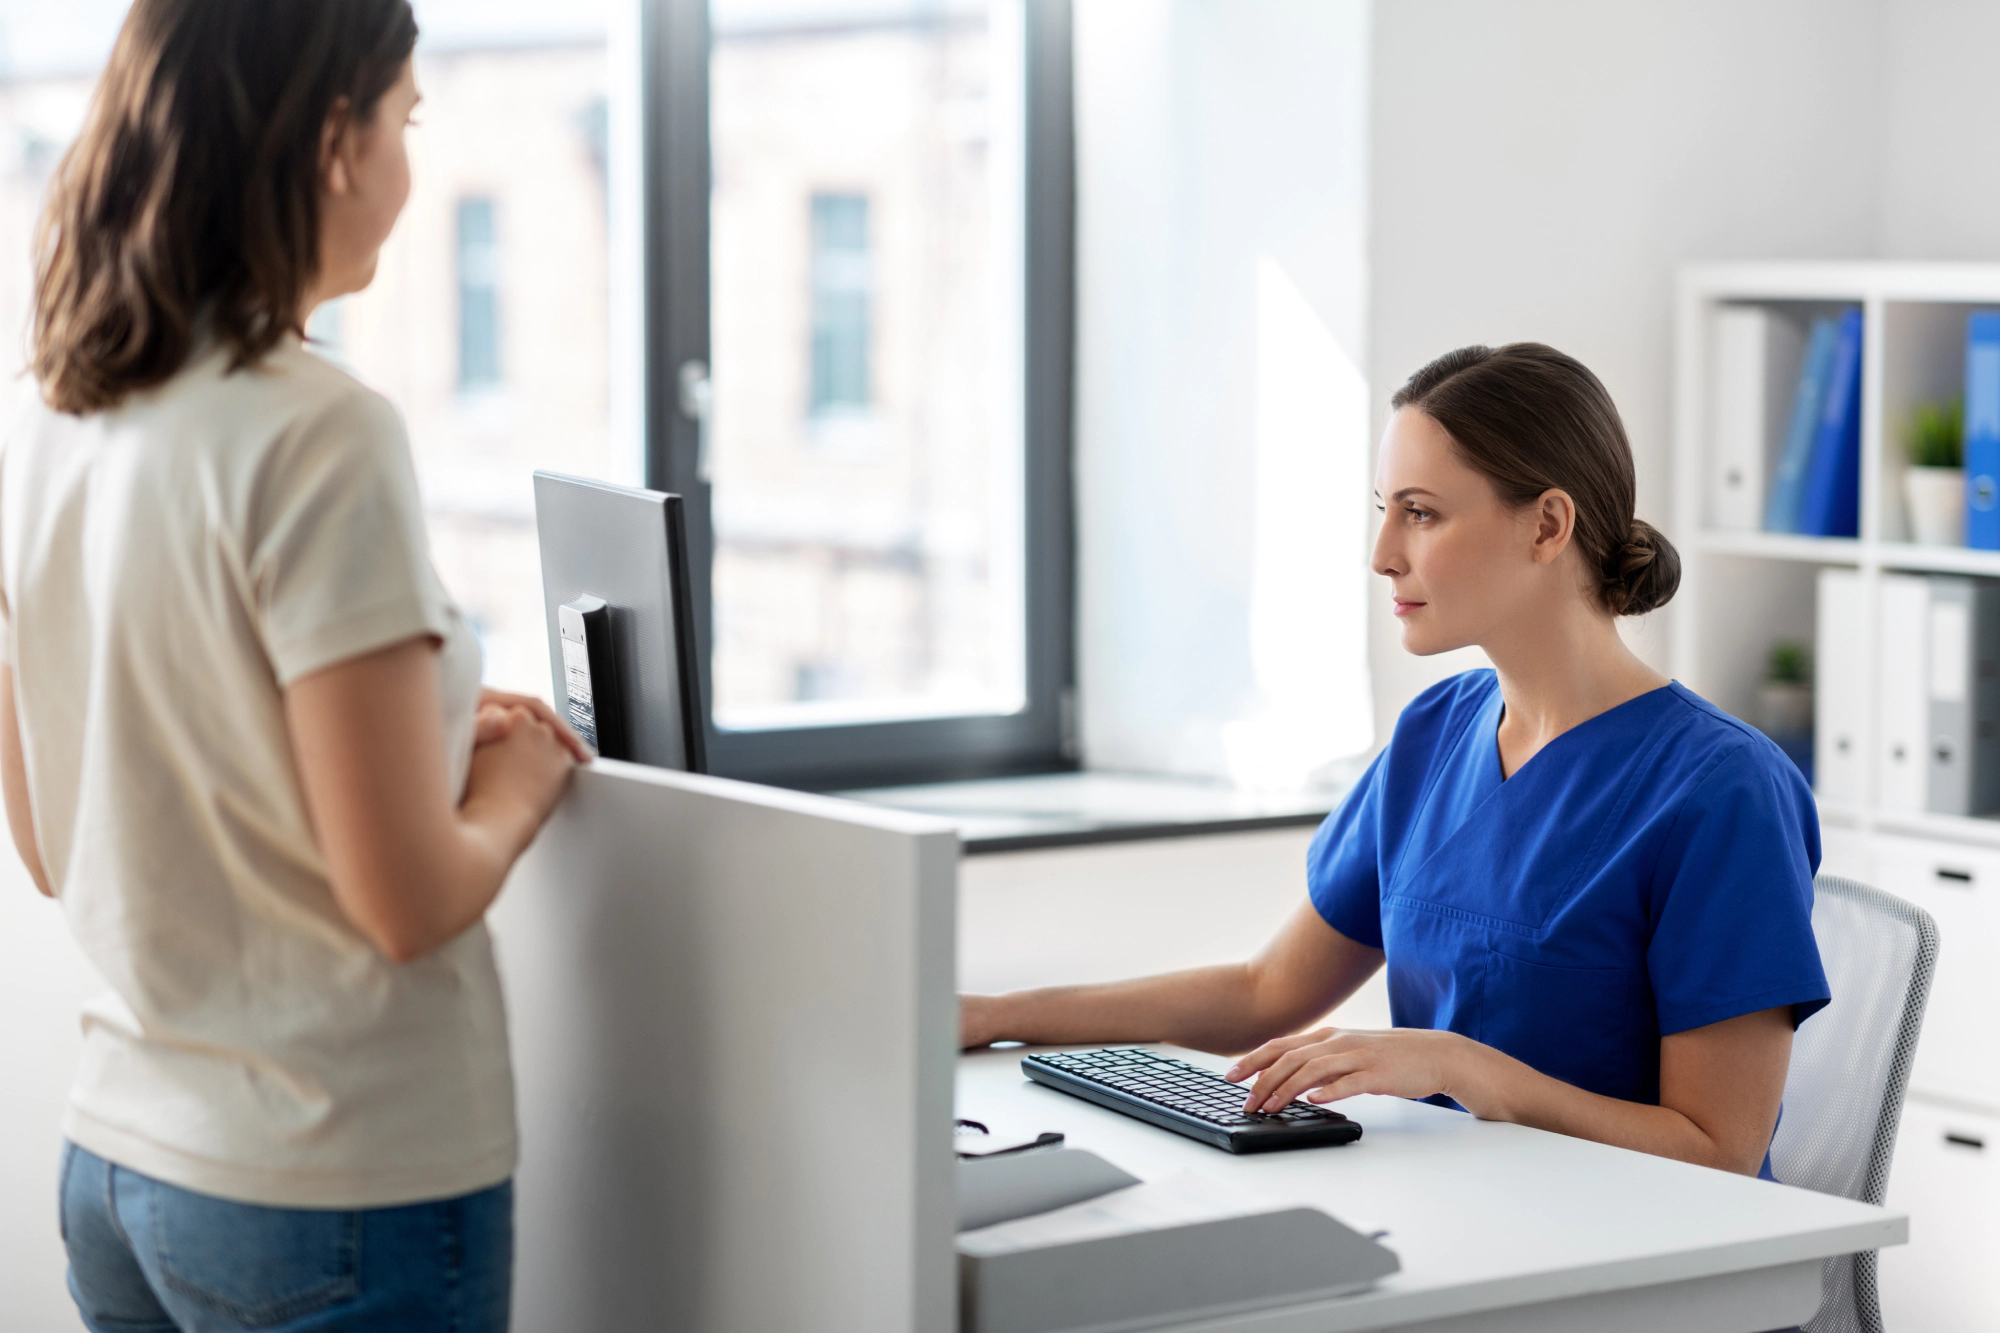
(582, 704)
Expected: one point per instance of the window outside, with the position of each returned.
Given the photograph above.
(866, 323)
(866, 289)
(489, 321)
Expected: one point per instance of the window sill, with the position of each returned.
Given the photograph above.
(1080, 809)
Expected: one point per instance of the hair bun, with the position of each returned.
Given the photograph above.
(1643, 573)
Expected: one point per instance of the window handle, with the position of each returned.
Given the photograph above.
(697, 394)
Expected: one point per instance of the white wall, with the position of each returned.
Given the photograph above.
(1493, 170)
(1940, 191)
(1220, 247)
(1541, 167)
(1084, 914)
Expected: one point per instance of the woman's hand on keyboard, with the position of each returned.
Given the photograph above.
(1331, 1063)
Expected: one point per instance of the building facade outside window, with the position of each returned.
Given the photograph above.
(841, 286)
(478, 294)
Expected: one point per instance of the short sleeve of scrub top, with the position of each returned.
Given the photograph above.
(1647, 872)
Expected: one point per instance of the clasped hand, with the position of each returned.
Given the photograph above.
(1328, 1064)
(500, 713)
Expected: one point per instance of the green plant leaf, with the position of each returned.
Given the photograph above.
(1936, 435)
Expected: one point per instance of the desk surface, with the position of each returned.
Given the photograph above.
(1485, 1216)
(1074, 809)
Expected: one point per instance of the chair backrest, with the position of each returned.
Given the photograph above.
(1850, 1067)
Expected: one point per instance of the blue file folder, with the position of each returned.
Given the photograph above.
(1982, 432)
(1831, 503)
(1781, 510)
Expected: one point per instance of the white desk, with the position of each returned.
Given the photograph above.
(1498, 1227)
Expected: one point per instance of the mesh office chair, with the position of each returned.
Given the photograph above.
(1850, 1066)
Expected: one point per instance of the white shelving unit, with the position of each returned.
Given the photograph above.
(1741, 592)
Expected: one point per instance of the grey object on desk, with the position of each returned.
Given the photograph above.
(1168, 1275)
(1002, 1188)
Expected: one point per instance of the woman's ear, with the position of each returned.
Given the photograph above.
(1555, 524)
(334, 176)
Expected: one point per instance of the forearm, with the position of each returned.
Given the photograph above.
(1208, 1009)
(447, 891)
(1495, 1086)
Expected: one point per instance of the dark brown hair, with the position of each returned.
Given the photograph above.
(1534, 420)
(193, 190)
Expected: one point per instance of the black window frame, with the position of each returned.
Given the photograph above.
(675, 43)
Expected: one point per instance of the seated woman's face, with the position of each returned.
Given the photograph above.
(1461, 563)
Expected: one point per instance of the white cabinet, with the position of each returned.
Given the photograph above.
(1959, 1056)
(1848, 853)
(1947, 1178)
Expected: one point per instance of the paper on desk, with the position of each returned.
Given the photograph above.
(1181, 1199)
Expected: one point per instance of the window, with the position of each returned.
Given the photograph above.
(840, 290)
(500, 360)
(879, 491)
(478, 295)
(856, 212)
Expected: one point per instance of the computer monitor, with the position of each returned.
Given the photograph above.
(615, 584)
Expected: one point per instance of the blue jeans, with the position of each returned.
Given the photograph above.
(148, 1257)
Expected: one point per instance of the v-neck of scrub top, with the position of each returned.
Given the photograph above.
(1495, 713)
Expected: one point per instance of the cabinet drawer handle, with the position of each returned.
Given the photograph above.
(1965, 1140)
(1956, 876)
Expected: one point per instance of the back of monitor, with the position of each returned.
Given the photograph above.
(734, 1034)
(629, 547)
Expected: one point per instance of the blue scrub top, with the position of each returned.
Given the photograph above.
(1647, 872)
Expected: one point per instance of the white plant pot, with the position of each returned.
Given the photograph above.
(1784, 709)
(1936, 497)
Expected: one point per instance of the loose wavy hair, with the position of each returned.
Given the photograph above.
(190, 201)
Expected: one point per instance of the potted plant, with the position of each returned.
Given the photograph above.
(1785, 701)
(1934, 484)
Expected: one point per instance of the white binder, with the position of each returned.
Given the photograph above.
(1962, 698)
(1840, 700)
(1903, 701)
(1754, 375)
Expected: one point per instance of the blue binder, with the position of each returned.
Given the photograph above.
(1982, 432)
(1830, 505)
(1781, 509)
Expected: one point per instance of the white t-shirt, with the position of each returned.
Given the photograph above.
(166, 569)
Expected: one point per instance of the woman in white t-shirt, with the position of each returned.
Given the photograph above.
(241, 728)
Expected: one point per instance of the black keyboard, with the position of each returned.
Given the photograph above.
(1187, 1099)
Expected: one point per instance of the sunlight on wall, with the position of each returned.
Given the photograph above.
(1309, 585)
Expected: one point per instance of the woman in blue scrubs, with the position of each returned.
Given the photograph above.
(1592, 889)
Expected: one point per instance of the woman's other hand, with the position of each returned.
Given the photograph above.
(493, 722)
(1328, 1064)
(498, 711)
(525, 761)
